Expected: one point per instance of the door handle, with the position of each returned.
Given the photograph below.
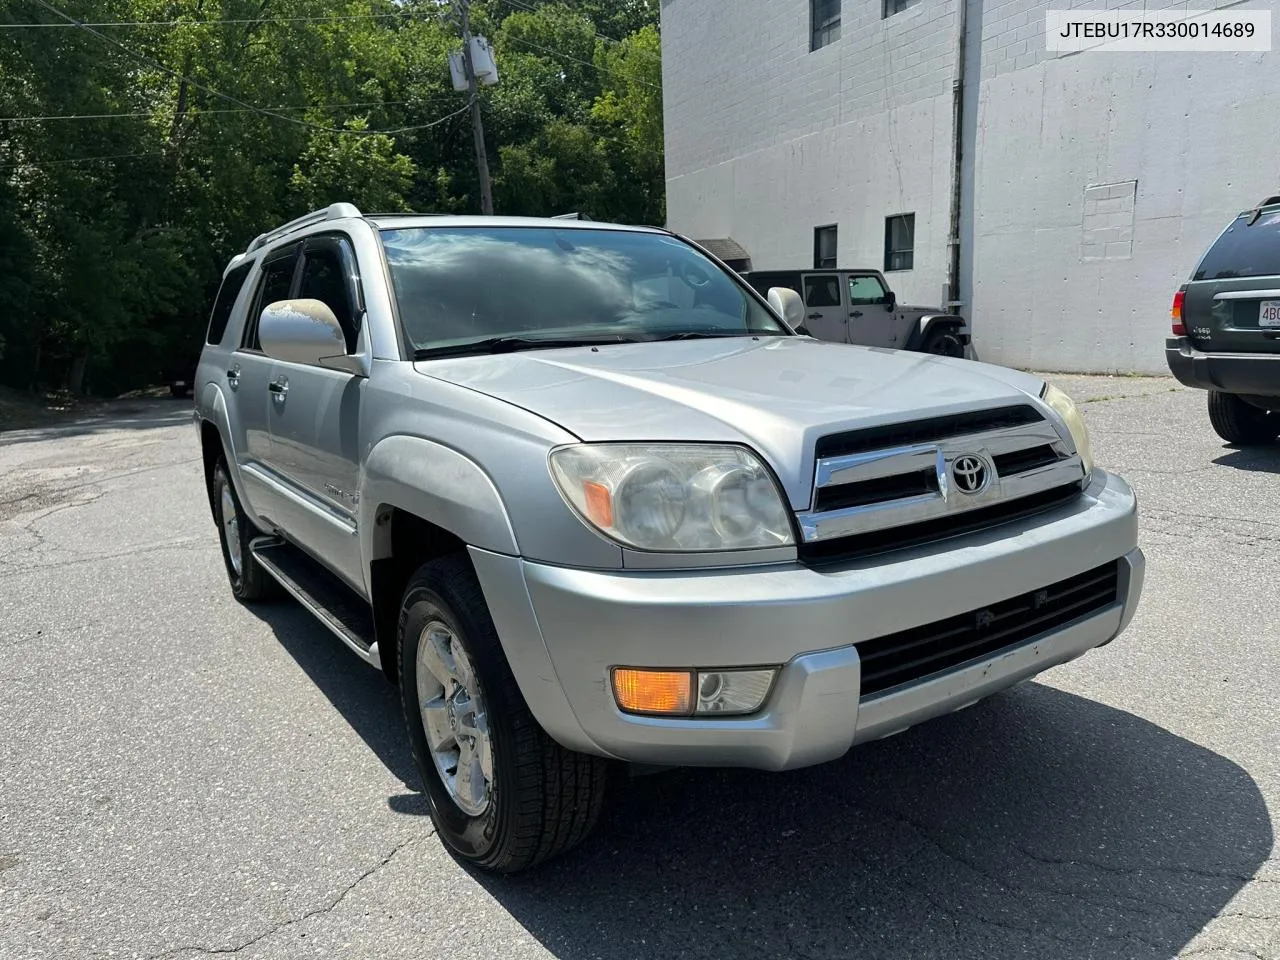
(815, 316)
(278, 389)
(855, 313)
(233, 377)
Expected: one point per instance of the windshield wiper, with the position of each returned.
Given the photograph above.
(511, 344)
(708, 335)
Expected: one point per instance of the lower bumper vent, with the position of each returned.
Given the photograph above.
(921, 652)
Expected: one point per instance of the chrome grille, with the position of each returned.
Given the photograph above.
(933, 478)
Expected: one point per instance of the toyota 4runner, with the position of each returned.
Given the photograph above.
(586, 497)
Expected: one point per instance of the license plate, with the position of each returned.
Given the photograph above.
(1269, 313)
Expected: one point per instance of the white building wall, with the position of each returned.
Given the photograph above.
(766, 140)
(1071, 278)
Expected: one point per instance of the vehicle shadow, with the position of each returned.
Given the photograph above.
(1252, 459)
(359, 693)
(1036, 823)
(141, 414)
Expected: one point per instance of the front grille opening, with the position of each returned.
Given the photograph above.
(880, 490)
(1023, 461)
(926, 431)
(922, 652)
(860, 545)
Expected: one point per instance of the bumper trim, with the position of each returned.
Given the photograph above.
(1247, 374)
(563, 628)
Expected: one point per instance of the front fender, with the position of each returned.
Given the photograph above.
(437, 484)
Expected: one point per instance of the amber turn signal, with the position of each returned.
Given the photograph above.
(662, 692)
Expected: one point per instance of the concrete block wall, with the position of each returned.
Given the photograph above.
(766, 140)
(1094, 181)
(1100, 179)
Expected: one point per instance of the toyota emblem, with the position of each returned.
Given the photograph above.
(971, 474)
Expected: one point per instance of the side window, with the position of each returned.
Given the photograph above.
(822, 291)
(230, 289)
(277, 281)
(324, 278)
(866, 290)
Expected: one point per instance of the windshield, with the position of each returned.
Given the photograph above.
(464, 286)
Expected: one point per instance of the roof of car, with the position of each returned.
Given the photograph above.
(399, 221)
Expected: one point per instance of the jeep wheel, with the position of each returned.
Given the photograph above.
(249, 581)
(1241, 423)
(944, 343)
(502, 794)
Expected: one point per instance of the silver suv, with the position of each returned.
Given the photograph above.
(587, 497)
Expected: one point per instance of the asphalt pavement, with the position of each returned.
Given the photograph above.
(181, 776)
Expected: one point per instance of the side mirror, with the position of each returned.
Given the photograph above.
(787, 304)
(890, 300)
(306, 332)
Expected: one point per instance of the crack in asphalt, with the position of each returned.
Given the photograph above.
(1202, 951)
(294, 921)
(972, 916)
(1156, 511)
(190, 543)
(1132, 871)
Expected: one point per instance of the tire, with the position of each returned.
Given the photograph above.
(250, 582)
(538, 799)
(177, 391)
(1240, 423)
(944, 343)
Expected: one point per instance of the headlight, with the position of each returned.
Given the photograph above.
(675, 498)
(1070, 414)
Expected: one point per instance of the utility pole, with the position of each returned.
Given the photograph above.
(477, 124)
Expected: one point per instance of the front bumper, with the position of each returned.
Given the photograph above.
(1247, 374)
(563, 629)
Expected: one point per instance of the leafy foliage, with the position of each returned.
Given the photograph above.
(200, 123)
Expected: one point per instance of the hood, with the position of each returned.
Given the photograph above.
(776, 394)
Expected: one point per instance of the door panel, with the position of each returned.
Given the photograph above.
(871, 323)
(248, 375)
(825, 312)
(314, 420)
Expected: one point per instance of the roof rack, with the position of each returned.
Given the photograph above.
(335, 211)
(571, 216)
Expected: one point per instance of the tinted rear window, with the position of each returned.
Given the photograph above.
(232, 284)
(1244, 251)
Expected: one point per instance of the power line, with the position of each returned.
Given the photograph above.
(161, 113)
(155, 64)
(49, 163)
(209, 23)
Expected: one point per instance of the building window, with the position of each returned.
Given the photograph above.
(825, 18)
(897, 6)
(899, 241)
(824, 248)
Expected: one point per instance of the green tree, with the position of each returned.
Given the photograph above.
(209, 121)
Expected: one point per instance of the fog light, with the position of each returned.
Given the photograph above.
(663, 692)
(733, 691)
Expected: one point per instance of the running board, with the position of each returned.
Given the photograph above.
(326, 597)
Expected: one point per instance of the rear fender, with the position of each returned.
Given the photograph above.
(932, 321)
